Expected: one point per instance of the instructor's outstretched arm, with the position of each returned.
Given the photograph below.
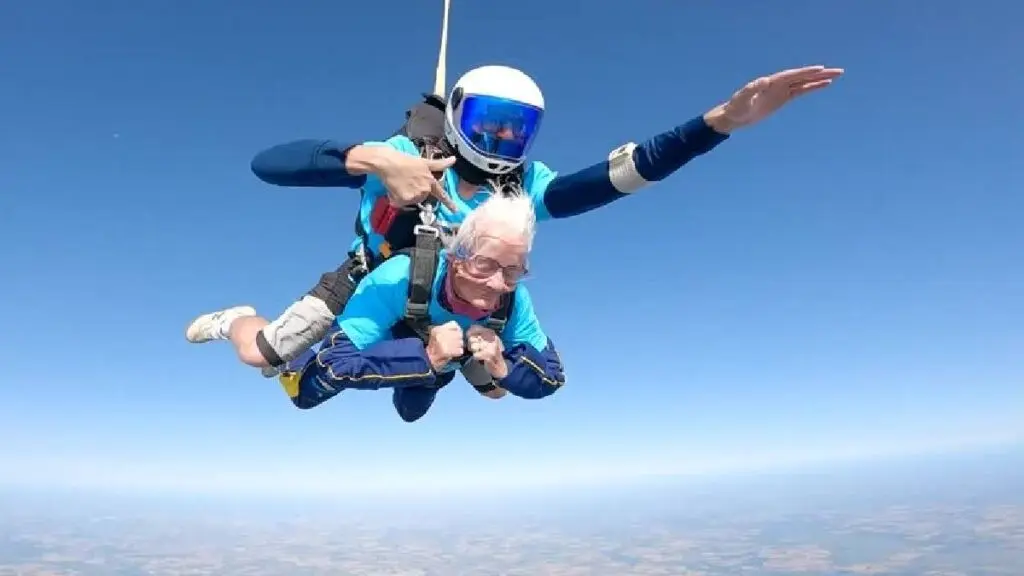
(634, 166)
(628, 169)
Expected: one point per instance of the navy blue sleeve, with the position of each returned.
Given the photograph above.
(655, 159)
(340, 364)
(532, 373)
(413, 402)
(306, 163)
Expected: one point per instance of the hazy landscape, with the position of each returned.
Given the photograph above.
(952, 516)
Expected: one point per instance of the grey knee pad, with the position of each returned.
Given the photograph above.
(296, 330)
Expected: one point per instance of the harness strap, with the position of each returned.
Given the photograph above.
(499, 318)
(474, 372)
(423, 259)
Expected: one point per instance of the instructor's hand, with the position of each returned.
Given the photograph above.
(761, 97)
(410, 180)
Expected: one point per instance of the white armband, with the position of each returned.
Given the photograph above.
(622, 170)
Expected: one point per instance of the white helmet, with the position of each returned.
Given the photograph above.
(493, 116)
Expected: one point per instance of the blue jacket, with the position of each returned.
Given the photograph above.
(371, 348)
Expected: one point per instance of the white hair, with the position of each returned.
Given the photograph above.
(497, 216)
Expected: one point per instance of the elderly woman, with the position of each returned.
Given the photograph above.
(373, 347)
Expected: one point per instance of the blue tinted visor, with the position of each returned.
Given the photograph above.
(499, 128)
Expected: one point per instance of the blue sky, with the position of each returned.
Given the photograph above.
(840, 281)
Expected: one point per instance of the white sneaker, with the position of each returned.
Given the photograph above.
(215, 325)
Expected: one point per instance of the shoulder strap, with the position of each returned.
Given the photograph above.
(423, 258)
(473, 371)
(499, 318)
(435, 101)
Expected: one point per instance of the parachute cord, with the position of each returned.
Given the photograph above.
(442, 53)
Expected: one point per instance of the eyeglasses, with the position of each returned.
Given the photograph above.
(483, 267)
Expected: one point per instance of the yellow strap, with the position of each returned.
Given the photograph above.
(290, 382)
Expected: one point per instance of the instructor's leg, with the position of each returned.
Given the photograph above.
(307, 321)
(239, 325)
(264, 344)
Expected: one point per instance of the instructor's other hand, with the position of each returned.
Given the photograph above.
(761, 97)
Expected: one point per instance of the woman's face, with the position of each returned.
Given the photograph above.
(492, 269)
